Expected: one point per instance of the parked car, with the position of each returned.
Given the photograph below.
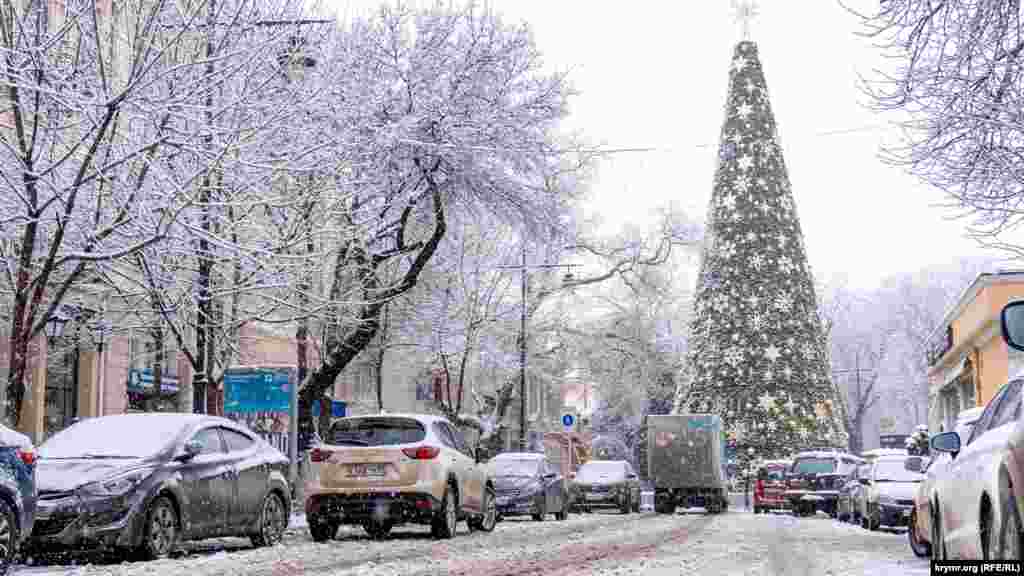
(975, 514)
(528, 483)
(981, 519)
(17, 493)
(850, 500)
(607, 483)
(385, 470)
(145, 482)
(814, 479)
(889, 493)
(770, 486)
(919, 532)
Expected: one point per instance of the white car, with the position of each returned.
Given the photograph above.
(968, 501)
(920, 530)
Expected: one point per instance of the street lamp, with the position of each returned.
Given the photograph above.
(566, 280)
(55, 327)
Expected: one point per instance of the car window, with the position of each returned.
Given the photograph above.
(445, 435)
(981, 426)
(375, 431)
(460, 441)
(814, 465)
(210, 440)
(236, 441)
(1009, 406)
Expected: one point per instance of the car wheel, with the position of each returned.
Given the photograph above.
(8, 537)
(446, 519)
(273, 521)
(636, 505)
(563, 514)
(486, 521)
(160, 534)
(377, 529)
(542, 509)
(985, 531)
(938, 546)
(321, 529)
(1010, 538)
(920, 548)
(625, 506)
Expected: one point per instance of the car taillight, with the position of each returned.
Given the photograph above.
(759, 487)
(318, 455)
(422, 452)
(27, 455)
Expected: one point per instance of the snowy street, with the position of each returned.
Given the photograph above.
(603, 543)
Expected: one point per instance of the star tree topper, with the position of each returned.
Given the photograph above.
(745, 11)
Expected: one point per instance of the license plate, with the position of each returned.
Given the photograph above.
(368, 470)
(906, 513)
(595, 496)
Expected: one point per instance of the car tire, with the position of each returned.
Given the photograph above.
(377, 529)
(321, 529)
(445, 521)
(273, 521)
(636, 506)
(1011, 541)
(919, 547)
(161, 532)
(938, 546)
(625, 507)
(542, 510)
(985, 532)
(489, 519)
(8, 537)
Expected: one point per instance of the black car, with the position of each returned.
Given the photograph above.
(814, 480)
(145, 482)
(527, 483)
(17, 493)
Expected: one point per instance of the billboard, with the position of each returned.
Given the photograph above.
(251, 390)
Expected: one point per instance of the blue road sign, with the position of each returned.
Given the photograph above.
(568, 420)
(258, 389)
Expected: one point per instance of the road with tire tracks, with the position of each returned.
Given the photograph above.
(599, 543)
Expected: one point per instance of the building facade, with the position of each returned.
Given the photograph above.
(967, 357)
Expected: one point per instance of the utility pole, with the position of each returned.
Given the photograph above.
(522, 334)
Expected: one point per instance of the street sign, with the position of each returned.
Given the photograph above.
(568, 420)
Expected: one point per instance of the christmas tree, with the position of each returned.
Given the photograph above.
(757, 351)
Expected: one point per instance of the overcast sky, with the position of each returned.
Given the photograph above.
(655, 73)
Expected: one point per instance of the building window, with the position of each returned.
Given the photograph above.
(966, 384)
(951, 407)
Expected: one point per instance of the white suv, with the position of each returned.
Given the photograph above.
(384, 470)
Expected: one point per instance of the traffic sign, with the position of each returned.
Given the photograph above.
(568, 420)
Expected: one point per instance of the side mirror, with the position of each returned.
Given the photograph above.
(1012, 321)
(549, 476)
(192, 449)
(946, 442)
(913, 464)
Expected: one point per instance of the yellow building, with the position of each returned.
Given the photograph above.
(967, 358)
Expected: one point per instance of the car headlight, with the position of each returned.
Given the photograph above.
(117, 485)
(883, 499)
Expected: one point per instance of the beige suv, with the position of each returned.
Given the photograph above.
(384, 470)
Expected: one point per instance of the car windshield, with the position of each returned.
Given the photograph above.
(774, 474)
(514, 467)
(128, 436)
(893, 471)
(814, 466)
(376, 432)
(601, 472)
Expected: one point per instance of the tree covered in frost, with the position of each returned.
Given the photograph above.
(117, 119)
(757, 353)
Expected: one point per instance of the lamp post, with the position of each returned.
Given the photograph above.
(100, 330)
(749, 471)
(522, 334)
(55, 327)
